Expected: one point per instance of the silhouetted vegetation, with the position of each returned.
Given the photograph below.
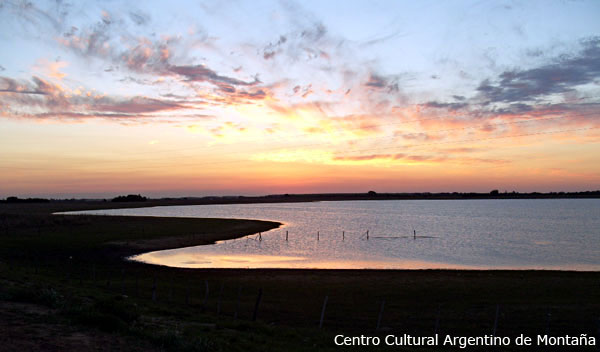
(26, 200)
(130, 198)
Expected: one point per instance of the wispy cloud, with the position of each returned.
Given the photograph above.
(24, 98)
(562, 75)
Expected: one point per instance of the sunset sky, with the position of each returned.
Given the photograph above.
(194, 98)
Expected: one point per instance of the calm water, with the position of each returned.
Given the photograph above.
(533, 234)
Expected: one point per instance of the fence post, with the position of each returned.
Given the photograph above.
(437, 320)
(154, 290)
(219, 299)
(187, 293)
(323, 312)
(258, 298)
(205, 295)
(380, 314)
(496, 319)
(237, 303)
(122, 282)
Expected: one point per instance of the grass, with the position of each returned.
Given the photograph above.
(73, 266)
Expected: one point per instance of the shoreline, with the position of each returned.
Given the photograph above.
(62, 264)
(141, 247)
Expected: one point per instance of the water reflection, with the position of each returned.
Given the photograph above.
(525, 234)
(187, 259)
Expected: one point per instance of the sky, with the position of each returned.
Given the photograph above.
(196, 98)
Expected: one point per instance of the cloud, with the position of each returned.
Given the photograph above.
(26, 98)
(560, 76)
(68, 115)
(271, 50)
(461, 150)
(369, 157)
(30, 15)
(420, 136)
(201, 73)
(139, 57)
(449, 106)
(51, 68)
(416, 158)
(395, 156)
(109, 39)
(382, 38)
(139, 18)
(135, 105)
(38, 93)
(9, 85)
(380, 82)
(258, 94)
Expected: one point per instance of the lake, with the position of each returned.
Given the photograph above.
(559, 234)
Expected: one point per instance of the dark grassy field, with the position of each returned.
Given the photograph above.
(65, 286)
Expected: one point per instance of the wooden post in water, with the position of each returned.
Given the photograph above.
(380, 314)
(414, 234)
(343, 236)
(496, 320)
(367, 235)
(318, 235)
(286, 236)
(259, 236)
(258, 298)
(323, 312)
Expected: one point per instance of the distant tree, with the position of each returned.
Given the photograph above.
(26, 200)
(371, 193)
(494, 192)
(130, 198)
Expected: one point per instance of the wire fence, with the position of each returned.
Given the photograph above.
(332, 308)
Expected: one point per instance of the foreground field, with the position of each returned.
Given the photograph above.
(65, 286)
